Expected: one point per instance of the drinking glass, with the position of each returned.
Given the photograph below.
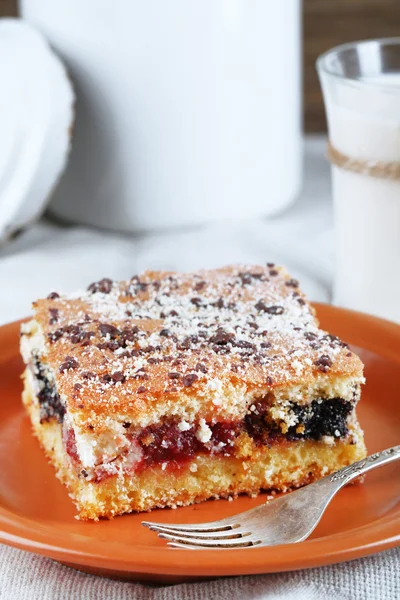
(361, 89)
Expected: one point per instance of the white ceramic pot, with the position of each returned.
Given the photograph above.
(36, 115)
(187, 111)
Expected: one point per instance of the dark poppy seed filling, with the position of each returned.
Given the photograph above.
(321, 418)
(49, 400)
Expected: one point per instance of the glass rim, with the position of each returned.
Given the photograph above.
(322, 67)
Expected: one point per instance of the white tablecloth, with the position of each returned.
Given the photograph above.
(64, 258)
(54, 257)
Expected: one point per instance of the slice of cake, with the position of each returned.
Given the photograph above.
(172, 388)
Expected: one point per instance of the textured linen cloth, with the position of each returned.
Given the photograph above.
(54, 257)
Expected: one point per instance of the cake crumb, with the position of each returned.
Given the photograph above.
(203, 433)
(329, 440)
(184, 426)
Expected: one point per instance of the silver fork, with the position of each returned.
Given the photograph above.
(287, 520)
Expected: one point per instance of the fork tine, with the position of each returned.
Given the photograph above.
(204, 535)
(195, 527)
(185, 543)
(185, 546)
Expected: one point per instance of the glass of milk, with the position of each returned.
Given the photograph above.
(361, 88)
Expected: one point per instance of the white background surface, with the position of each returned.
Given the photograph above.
(52, 257)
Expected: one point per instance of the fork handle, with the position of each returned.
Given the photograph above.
(378, 459)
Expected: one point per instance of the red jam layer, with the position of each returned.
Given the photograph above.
(167, 444)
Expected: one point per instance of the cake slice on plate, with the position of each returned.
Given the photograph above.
(173, 388)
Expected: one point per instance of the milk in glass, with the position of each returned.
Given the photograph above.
(364, 125)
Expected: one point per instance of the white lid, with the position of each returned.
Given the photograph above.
(36, 116)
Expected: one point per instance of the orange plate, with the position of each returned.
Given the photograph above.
(37, 515)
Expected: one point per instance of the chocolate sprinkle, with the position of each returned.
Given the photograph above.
(323, 363)
(112, 346)
(292, 283)
(222, 337)
(69, 363)
(271, 310)
(174, 375)
(309, 335)
(265, 345)
(118, 376)
(106, 378)
(189, 379)
(88, 375)
(165, 333)
(199, 286)
(104, 286)
(196, 301)
(107, 329)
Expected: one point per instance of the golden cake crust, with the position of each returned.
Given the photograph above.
(123, 348)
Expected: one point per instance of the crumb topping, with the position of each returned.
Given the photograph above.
(160, 334)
